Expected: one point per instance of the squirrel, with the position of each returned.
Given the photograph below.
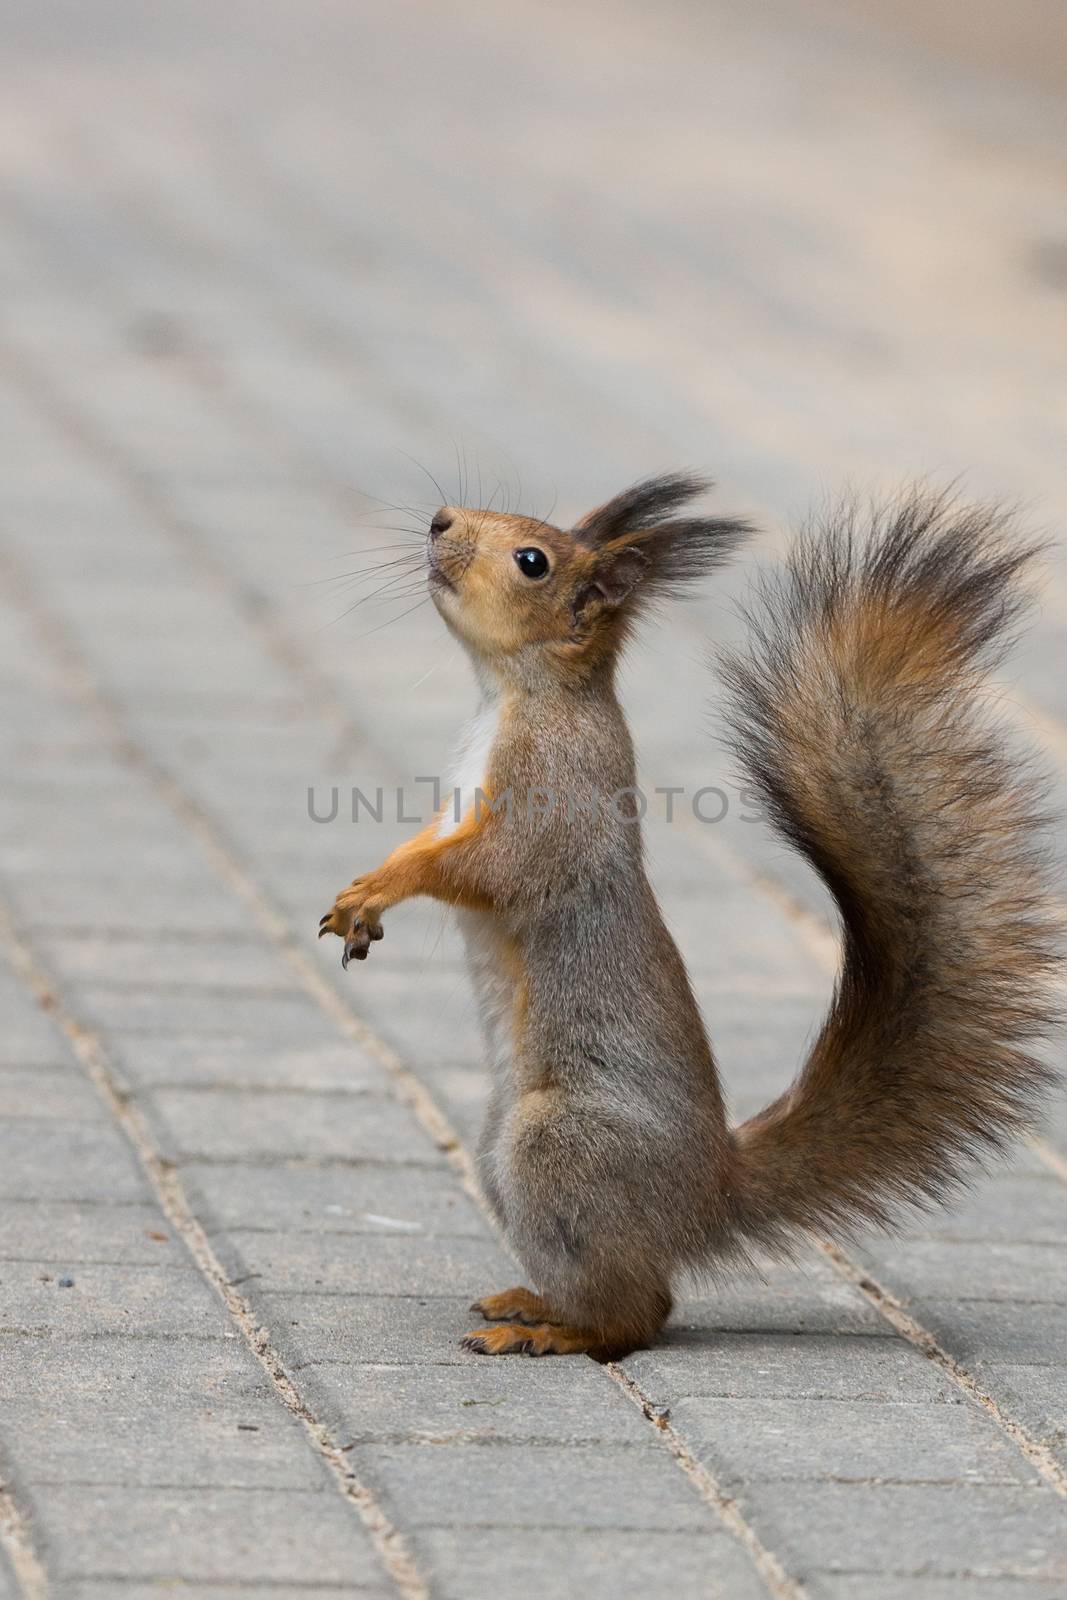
(858, 715)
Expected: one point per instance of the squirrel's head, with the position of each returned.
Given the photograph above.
(517, 590)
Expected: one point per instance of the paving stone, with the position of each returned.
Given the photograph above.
(1034, 1396)
(178, 1589)
(976, 1331)
(203, 1011)
(207, 1535)
(790, 1366)
(974, 1529)
(828, 1586)
(187, 369)
(50, 1231)
(67, 1161)
(520, 1486)
(537, 1401)
(48, 1093)
(387, 1263)
(145, 1412)
(333, 1199)
(615, 1564)
(31, 1038)
(950, 1441)
(928, 1268)
(250, 1125)
(362, 1328)
(193, 1060)
(106, 1299)
(808, 1298)
(110, 903)
(1028, 1208)
(163, 962)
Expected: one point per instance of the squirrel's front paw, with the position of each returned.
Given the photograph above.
(355, 918)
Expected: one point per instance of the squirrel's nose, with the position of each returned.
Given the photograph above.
(441, 523)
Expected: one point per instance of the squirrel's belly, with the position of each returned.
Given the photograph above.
(498, 981)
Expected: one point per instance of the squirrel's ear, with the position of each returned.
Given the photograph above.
(672, 551)
(639, 506)
(614, 577)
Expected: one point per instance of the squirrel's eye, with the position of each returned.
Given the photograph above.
(533, 563)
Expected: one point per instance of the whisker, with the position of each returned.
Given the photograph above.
(409, 563)
(416, 510)
(424, 601)
(403, 579)
(443, 500)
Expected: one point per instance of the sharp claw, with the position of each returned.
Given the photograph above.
(324, 931)
(473, 1343)
(344, 959)
(326, 915)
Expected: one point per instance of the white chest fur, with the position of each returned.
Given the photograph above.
(470, 768)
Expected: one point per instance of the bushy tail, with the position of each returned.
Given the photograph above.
(858, 714)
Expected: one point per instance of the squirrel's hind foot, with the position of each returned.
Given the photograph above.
(542, 1339)
(514, 1305)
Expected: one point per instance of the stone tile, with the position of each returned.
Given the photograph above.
(789, 1366)
(179, 1589)
(333, 1199)
(925, 1269)
(535, 1401)
(42, 1093)
(107, 1299)
(517, 1486)
(831, 1586)
(362, 1328)
(809, 1298)
(67, 1161)
(67, 1232)
(149, 1412)
(164, 961)
(1028, 1208)
(253, 1125)
(950, 1441)
(1034, 1396)
(194, 1061)
(977, 1331)
(206, 1012)
(929, 1530)
(207, 1535)
(600, 1564)
(375, 1264)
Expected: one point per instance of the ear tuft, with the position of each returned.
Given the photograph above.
(640, 506)
(641, 550)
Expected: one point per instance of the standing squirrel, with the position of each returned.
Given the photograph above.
(606, 1155)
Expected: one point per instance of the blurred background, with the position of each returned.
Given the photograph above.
(278, 278)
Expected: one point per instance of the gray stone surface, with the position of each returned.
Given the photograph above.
(932, 1529)
(776, 1438)
(472, 1401)
(125, 1532)
(246, 267)
(520, 1485)
(181, 1413)
(613, 1565)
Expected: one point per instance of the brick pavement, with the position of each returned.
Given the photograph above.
(246, 267)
